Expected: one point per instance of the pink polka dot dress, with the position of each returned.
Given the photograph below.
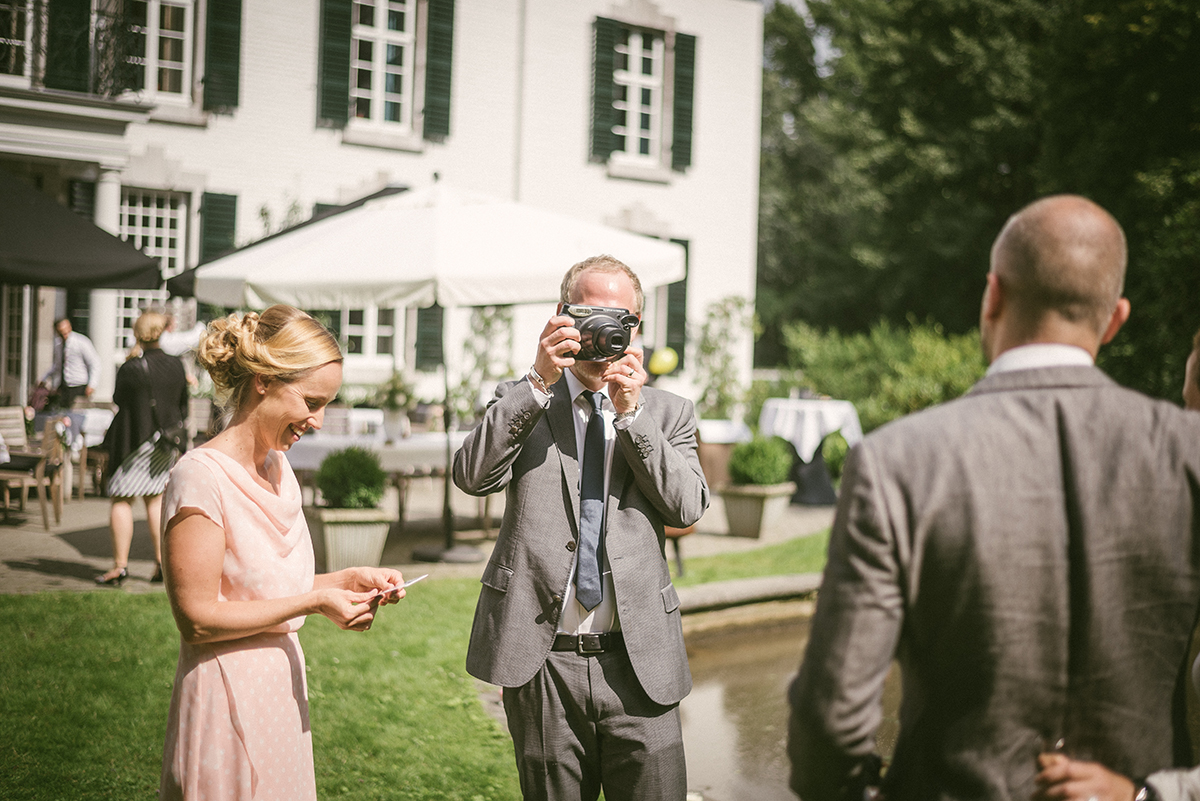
(238, 726)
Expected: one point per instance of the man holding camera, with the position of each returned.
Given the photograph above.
(577, 619)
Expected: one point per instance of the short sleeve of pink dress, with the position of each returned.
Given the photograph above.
(238, 726)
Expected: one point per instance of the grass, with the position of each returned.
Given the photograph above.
(85, 683)
(799, 555)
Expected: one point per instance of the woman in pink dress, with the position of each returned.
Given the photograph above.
(238, 563)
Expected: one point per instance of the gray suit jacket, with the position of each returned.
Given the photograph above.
(656, 480)
(1029, 553)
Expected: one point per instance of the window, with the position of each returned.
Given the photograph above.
(637, 95)
(154, 223)
(369, 80)
(357, 330)
(643, 82)
(161, 47)
(15, 37)
(109, 49)
(381, 62)
(385, 332)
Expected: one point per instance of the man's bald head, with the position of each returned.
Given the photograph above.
(1061, 257)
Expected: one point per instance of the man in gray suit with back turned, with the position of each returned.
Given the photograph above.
(577, 619)
(1027, 552)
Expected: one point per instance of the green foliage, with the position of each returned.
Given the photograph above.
(761, 389)
(351, 478)
(725, 321)
(485, 354)
(834, 449)
(395, 394)
(83, 704)
(889, 168)
(889, 371)
(761, 460)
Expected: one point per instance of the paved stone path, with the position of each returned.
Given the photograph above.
(74, 551)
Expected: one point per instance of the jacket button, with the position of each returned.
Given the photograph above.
(571, 545)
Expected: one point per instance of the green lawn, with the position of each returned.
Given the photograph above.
(800, 555)
(85, 682)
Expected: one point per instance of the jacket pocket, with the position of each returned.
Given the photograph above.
(670, 598)
(497, 577)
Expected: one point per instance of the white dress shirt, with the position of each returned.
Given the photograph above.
(83, 363)
(574, 618)
(1039, 355)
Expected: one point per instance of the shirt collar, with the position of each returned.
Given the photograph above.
(576, 386)
(1039, 355)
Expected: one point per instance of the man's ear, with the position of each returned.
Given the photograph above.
(993, 298)
(1119, 316)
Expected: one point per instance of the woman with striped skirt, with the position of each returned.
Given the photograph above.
(151, 395)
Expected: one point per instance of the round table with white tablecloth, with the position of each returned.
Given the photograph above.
(805, 422)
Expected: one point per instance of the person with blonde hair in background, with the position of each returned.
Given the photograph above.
(240, 571)
(151, 395)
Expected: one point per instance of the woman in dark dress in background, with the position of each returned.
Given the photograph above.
(151, 395)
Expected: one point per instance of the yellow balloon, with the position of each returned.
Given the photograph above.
(663, 361)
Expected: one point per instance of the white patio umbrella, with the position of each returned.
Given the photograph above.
(455, 246)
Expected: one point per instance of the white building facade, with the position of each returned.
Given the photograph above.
(192, 126)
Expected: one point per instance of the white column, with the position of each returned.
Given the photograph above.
(103, 315)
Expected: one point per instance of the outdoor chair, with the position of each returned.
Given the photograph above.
(41, 468)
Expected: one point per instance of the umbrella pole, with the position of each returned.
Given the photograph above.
(450, 551)
(448, 424)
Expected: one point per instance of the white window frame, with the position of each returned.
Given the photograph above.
(22, 78)
(146, 223)
(637, 85)
(381, 38)
(151, 63)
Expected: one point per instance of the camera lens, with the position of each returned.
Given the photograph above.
(601, 338)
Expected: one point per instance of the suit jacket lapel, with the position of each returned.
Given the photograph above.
(562, 428)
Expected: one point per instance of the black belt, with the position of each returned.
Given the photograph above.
(584, 644)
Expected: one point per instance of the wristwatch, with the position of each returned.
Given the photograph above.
(629, 415)
(1145, 792)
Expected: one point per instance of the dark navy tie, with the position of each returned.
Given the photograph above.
(591, 494)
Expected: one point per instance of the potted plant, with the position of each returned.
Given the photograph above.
(759, 488)
(350, 522)
(395, 397)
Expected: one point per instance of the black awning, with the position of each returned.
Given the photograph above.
(44, 243)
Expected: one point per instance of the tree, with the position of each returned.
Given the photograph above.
(888, 170)
(886, 175)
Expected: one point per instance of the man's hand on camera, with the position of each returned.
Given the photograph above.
(557, 349)
(625, 378)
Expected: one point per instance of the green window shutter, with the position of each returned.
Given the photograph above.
(677, 311)
(603, 64)
(68, 48)
(685, 82)
(222, 59)
(429, 338)
(218, 222)
(333, 103)
(439, 58)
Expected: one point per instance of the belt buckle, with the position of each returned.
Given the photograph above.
(588, 644)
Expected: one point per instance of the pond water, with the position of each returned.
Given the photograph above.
(735, 719)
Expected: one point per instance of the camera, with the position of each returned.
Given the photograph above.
(603, 332)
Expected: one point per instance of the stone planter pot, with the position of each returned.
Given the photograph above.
(348, 537)
(749, 508)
